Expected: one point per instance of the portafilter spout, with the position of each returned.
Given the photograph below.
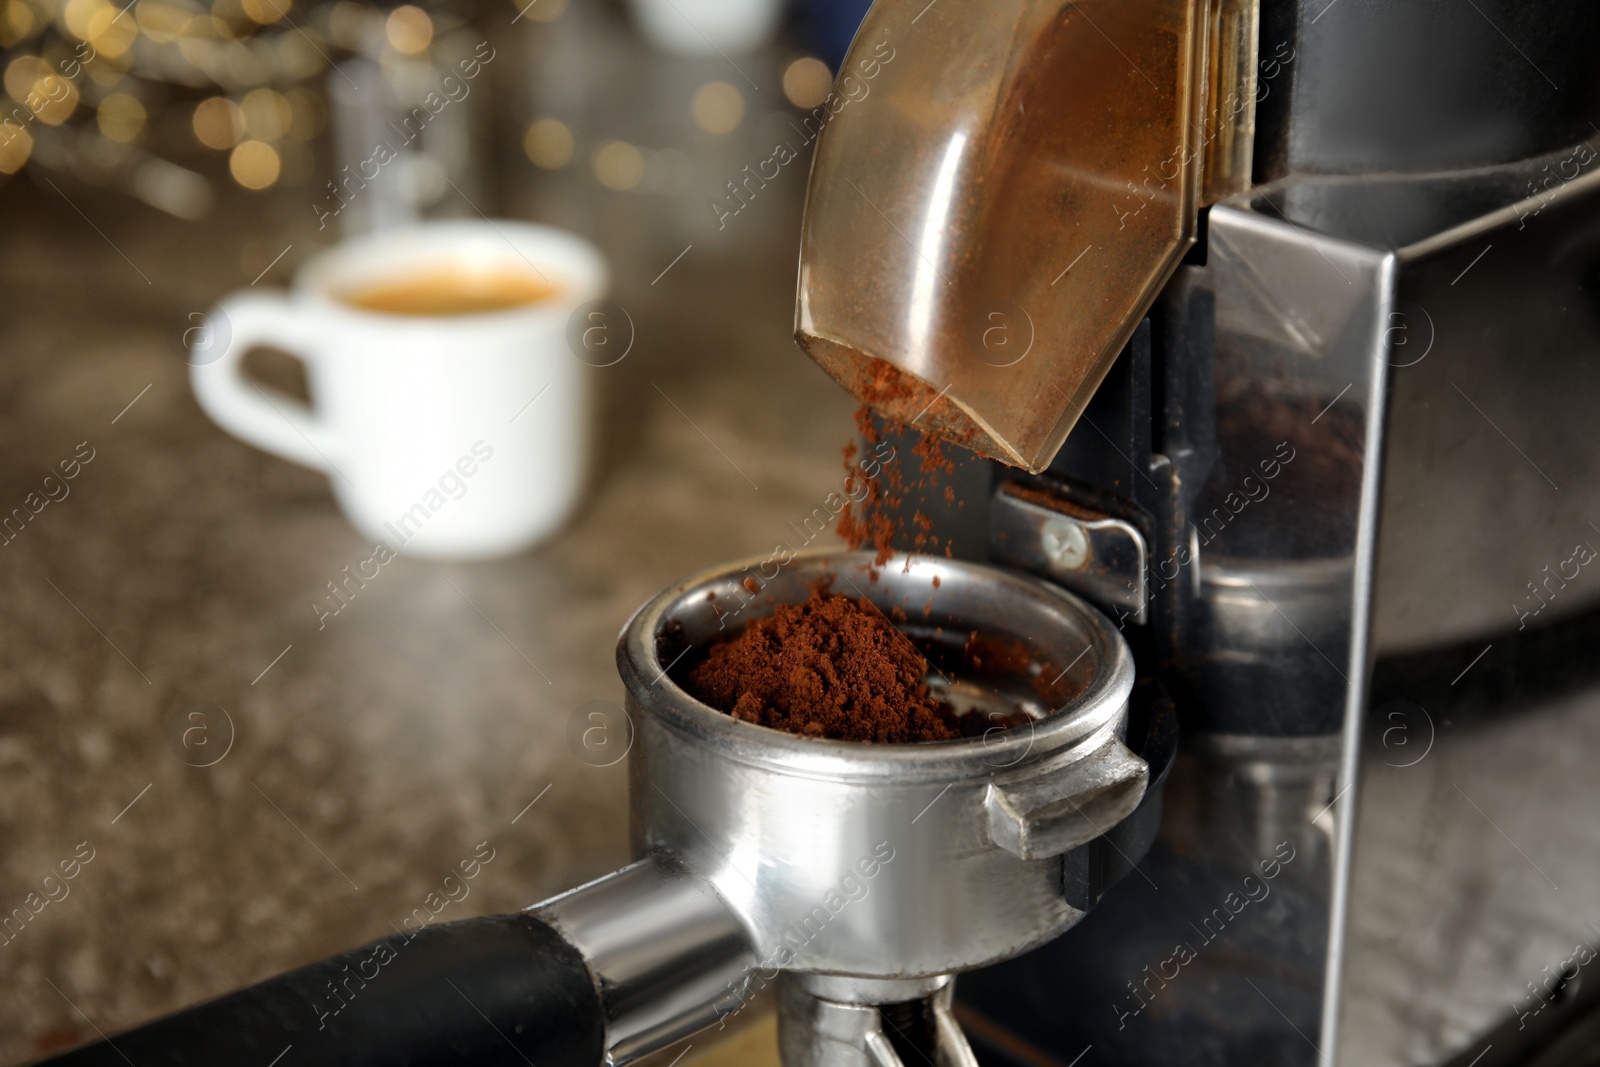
(998, 193)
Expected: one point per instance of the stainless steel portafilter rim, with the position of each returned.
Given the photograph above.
(717, 603)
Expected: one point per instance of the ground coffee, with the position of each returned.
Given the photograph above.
(836, 667)
(831, 667)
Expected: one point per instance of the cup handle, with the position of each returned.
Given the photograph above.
(267, 418)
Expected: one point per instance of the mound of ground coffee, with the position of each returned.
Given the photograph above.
(831, 667)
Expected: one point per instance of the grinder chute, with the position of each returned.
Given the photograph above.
(986, 226)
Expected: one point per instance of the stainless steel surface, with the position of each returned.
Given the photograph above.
(1491, 432)
(1264, 788)
(1357, 345)
(1231, 97)
(813, 1032)
(1434, 337)
(1495, 437)
(1270, 632)
(1049, 816)
(1301, 321)
(1102, 559)
(1474, 880)
(665, 951)
(1248, 605)
(847, 990)
(881, 861)
(816, 1028)
(985, 230)
(951, 1048)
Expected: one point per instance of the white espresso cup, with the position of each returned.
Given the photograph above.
(447, 436)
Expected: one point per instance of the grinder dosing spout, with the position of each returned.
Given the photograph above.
(999, 191)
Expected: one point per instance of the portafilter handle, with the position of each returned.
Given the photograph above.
(600, 975)
(503, 990)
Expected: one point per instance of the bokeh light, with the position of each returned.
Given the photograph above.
(265, 12)
(16, 145)
(218, 122)
(254, 164)
(807, 82)
(548, 143)
(53, 95)
(111, 32)
(347, 23)
(409, 30)
(267, 114)
(78, 13)
(297, 57)
(196, 40)
(161, 21)
(121, 117)
(248, 62)
(717, 107)
(619, 165)
(17, 23)
(106, 71)
(229, 28)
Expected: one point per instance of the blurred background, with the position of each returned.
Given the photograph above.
(259, 787)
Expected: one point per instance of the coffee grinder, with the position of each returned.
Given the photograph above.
(1278, 322)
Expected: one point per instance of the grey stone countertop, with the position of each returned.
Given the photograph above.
(372, 755)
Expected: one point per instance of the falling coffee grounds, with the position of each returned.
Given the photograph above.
(832, 667)
(872, 520)
(835, 667)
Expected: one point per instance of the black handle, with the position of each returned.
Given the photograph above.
(504, 990)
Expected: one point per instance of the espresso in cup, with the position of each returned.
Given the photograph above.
(452, 290)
